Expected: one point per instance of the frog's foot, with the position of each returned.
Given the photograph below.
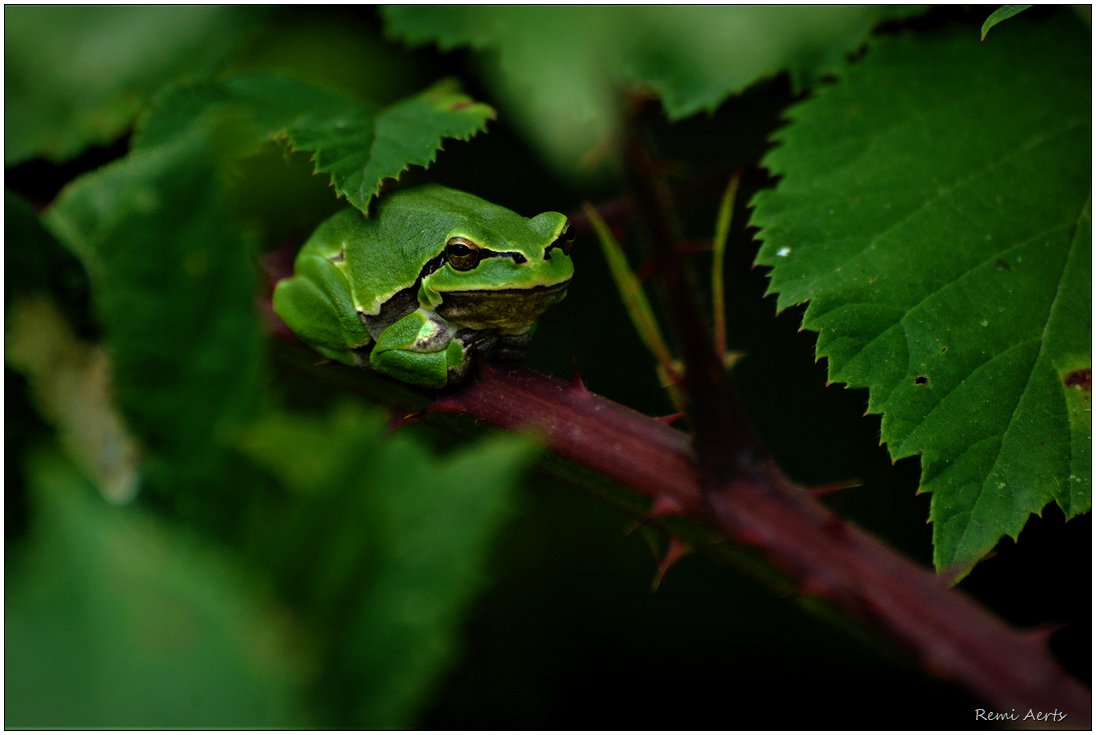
(421, 349)
(489, 344)
(478, 342)
(513, 346)
(353, 358)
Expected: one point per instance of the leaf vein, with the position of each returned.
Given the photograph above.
(947, 190)
(991, 258)
(1027, 385)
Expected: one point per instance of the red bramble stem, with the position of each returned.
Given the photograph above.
(724, 478)
(950, 634)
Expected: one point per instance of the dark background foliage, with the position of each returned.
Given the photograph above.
(567, 631)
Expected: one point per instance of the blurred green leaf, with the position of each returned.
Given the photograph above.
(75, 77)
(562, 70)
(115, 621)
(340, 47)
(35, 263)
(359, 144)
(71, 384)
(1000, 15)
(388, 546)
(174, 288)
(939, 225)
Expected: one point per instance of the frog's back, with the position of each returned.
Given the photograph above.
(387, 251)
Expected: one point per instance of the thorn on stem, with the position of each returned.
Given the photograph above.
(577, 383)
(662, 507)
(1040, 634)
(672, 418)
(399, 419)
(665, 506)
(821, 491)
(446, 404)
(675, 550)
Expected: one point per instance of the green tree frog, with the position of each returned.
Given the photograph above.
(433, 278)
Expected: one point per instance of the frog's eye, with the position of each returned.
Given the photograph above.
(564, 242)
(462, 254)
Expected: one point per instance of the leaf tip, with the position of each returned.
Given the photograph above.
(953, 574)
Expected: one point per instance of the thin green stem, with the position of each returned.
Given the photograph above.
(631, 293)
(719, 251)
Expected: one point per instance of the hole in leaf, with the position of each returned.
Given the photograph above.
(921, 380)
(1079, 379)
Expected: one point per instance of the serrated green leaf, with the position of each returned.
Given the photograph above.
(934, 212)
(1000, 15)
(75, 77)
(174, 289)
(562, 69)
(113, 620)
(358, 143)
(396, 540)
(410, 133)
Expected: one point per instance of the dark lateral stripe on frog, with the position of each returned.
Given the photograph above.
(401, 303)
(405, 301)
(439, 260)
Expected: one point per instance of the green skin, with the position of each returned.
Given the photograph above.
(431, 279)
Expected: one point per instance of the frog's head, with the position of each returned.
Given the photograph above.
(501, 272)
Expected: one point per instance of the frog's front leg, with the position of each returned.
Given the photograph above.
(420, 348)
(318, 306)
